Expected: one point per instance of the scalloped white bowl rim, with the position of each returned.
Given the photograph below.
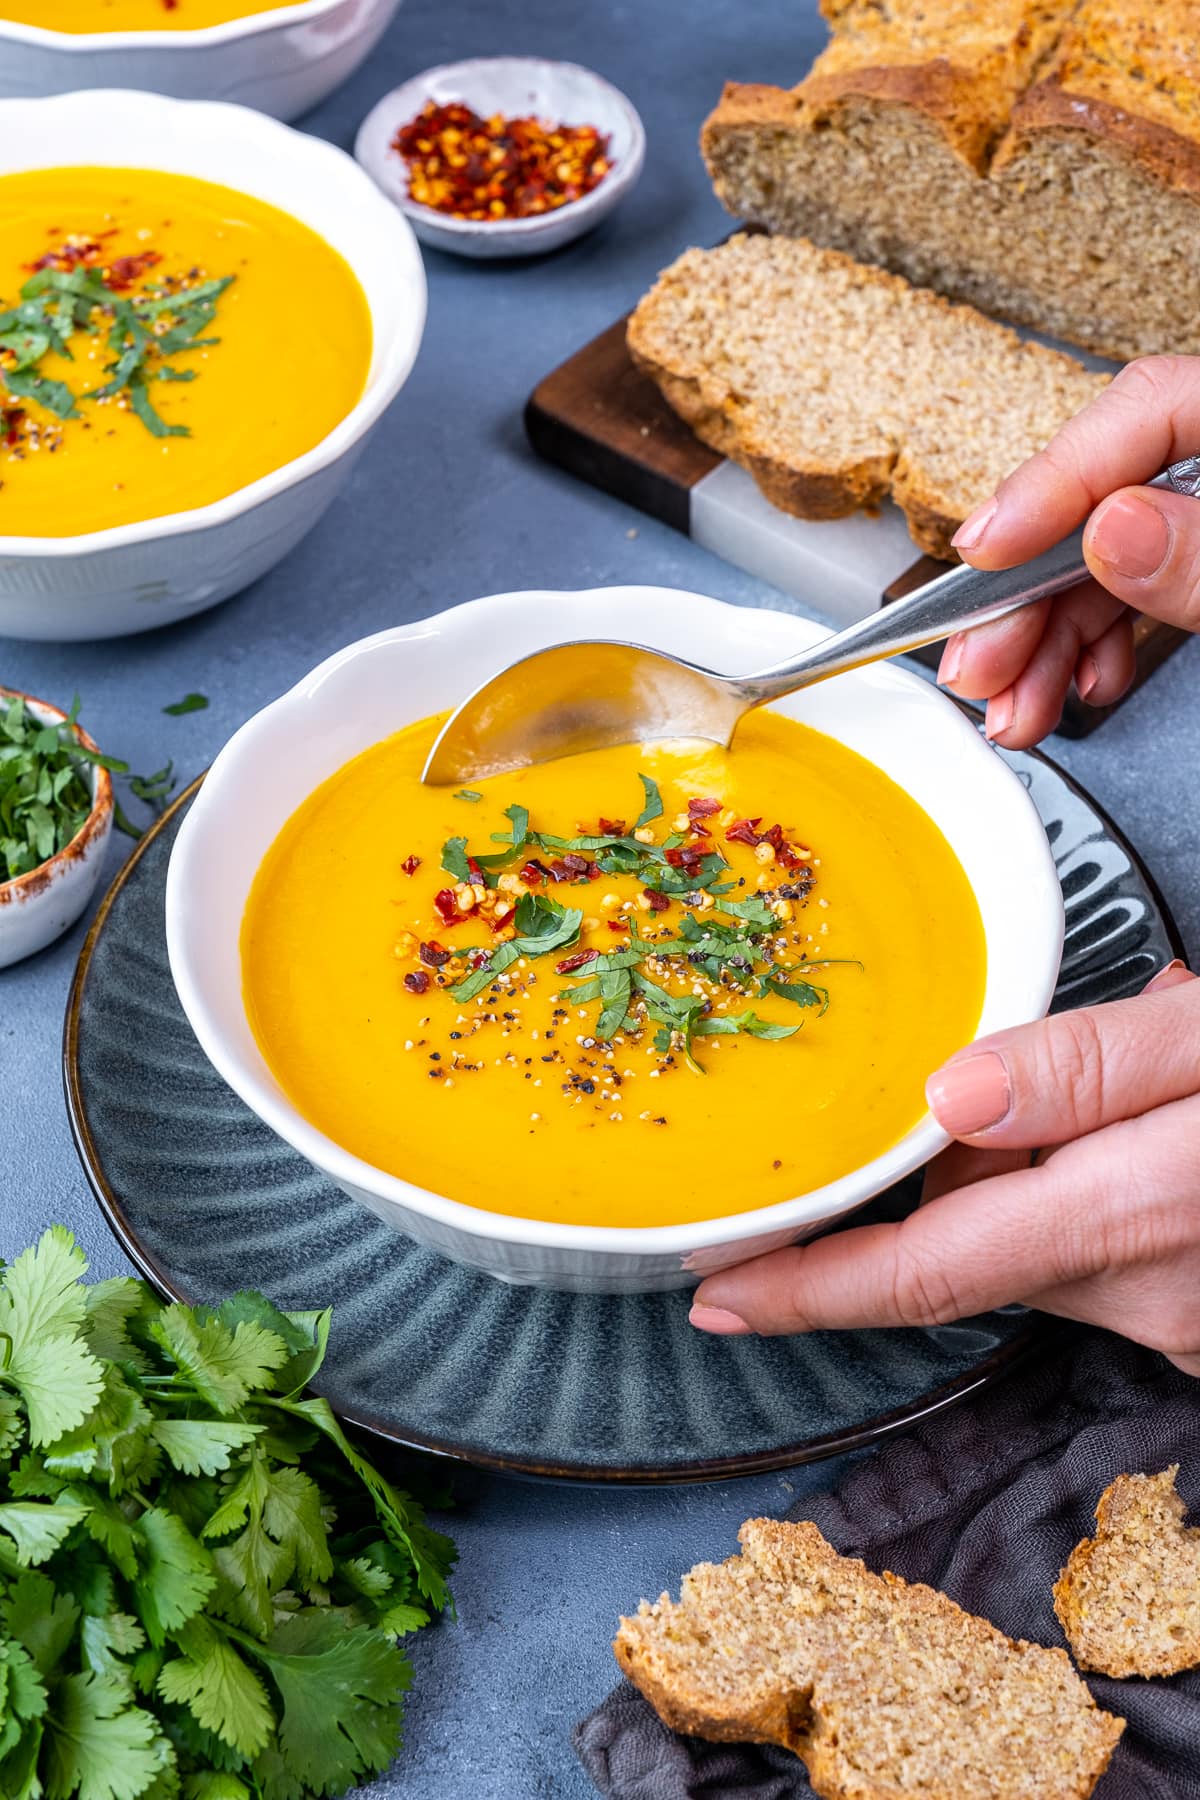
(44, 36)
(1025, 980)
(392, 359)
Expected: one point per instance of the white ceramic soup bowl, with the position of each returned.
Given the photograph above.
(366, 692)
(38, 907)
(134, 577)
(278, 62)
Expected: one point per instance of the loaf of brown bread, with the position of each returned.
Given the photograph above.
(836, 384)
(1129, 1598)
(885, 1690)
(1039, 158)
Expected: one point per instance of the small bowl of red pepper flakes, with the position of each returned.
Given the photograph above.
(503, 156)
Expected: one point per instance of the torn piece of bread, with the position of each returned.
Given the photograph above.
(1129, 1598)
(1039, 158)
(885, 1690)
(836, 384)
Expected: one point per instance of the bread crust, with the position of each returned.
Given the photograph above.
(1131, 1529)
(1050, 108)
(810, 1718)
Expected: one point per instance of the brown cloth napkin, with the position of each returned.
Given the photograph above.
(985, 1502)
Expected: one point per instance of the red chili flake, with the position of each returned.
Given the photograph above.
(534, 873)
(447, 906)
(476, 871)
(575, 962)
(578, 865)
(697, 829)
(123, 271)
(658, 902)
(773, 835)
(11, 420)
(703, 809)
(497, 168)
(743, 831)
(616, 925)
(479, 959)
(433, 954)
(417, 982)
(411, 864)
(498, 924)
(612, 827)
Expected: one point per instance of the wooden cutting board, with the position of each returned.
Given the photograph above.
(603, 420)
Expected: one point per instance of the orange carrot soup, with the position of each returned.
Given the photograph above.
(640, 986)
(158, 348)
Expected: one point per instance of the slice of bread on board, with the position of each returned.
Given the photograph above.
(1039, 158)
(836, 384)
(886, 1690)
(1129, 1598)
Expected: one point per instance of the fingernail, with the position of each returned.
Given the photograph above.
(952, 660)
(973, 529)
(1165, 977)
(1087, 676)
(1130, 536)
(715, 1318)
(970, 1096)
(1000, 711)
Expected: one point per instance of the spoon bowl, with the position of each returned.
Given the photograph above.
(589, 695)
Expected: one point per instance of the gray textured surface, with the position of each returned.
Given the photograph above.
(450, 505)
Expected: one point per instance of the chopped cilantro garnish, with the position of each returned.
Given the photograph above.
(189, 704)
(729, 943)
(468, 794)
(142, 331)
(653, 808)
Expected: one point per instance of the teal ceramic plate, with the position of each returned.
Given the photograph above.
(205, 1199)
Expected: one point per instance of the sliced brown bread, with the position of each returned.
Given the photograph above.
(1039, 158)
(885, 1690)
(836, 384)
(1129, 1598)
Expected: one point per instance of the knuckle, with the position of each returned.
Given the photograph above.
(1067, 1073)
(922, 1291)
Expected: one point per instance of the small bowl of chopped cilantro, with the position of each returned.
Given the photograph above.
(56, 815)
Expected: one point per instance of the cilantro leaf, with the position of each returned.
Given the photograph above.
(801, 993)
(202, 1446)
(542, 925)
(98, 1747)
(223, 1366)
(468, 794)
(189, 704)
(40, 1619)
(338, 1689)
(454, 858)
(730, 1024)
(653, 809)
(176, 1574)
(225, 1696)
(36, 1529)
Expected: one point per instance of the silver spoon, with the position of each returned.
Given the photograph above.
(585, 695)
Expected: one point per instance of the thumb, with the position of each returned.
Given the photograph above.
(1143, 545)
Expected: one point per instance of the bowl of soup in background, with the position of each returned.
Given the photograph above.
(287, 195)
(894, 720)
(279, 59)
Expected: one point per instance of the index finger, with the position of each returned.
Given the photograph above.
(1072, 1073)
(1148, 417)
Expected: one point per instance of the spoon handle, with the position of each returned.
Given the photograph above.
(956, 601)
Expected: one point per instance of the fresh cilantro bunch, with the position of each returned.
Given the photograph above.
(201, 1580)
